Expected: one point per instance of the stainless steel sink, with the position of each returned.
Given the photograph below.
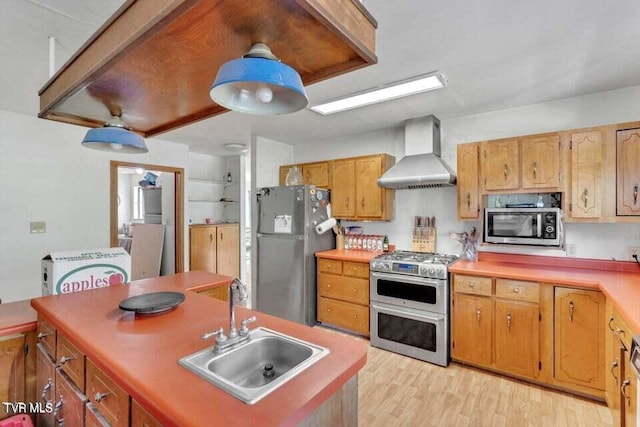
(253, 370)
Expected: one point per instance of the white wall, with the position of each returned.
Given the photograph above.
(604, 241)
(124, 194)
(46, 175)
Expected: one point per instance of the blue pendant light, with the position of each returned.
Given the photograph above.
(259, 83)
(114, 136)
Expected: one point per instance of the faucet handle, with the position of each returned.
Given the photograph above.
(243, 328)
(218, 334)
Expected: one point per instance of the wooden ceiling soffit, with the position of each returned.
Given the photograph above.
(153, 62)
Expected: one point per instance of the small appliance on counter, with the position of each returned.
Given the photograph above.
(287, 241)
(409, 294)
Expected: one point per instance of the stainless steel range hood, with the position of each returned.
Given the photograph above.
(421, 167)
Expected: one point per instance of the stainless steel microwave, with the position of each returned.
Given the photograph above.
(524, 226)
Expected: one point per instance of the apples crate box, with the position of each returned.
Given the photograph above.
(73, 271)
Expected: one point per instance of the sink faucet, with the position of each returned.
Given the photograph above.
(224, 343)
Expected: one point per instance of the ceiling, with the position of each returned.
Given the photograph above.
(495, 54)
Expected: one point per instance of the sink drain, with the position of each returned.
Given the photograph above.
(268, 371)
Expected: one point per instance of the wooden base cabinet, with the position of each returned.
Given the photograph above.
(343, 294)
(215, 248)
(517, 337)
(579, 337)
(473, 321)
(12, 370)
(621, 380)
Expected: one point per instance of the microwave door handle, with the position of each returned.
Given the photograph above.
(539, 226)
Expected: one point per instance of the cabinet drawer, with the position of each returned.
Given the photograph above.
(94, 418)
(472, 285)
(329, 266)
(108, 397)
(518, 290)
(344, 288)
(355, 269)
(221, 293)
(141, 418)
(70, 402)
(343, 314)
(47, 337)
(71, 361)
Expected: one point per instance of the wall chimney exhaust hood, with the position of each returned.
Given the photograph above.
(421, 167)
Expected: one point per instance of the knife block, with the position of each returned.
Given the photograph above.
(424, 239)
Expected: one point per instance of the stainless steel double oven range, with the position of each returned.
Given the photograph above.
(409, 294)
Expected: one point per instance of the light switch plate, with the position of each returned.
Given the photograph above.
(38, 227)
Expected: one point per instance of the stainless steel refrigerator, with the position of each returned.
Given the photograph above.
(286, 244)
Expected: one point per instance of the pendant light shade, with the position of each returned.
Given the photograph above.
(259, 83)
(114, 136)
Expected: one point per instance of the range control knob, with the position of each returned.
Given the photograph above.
(424, 271)
(550, 229)
(432, 272)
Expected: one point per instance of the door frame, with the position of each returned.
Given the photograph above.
(178, 204)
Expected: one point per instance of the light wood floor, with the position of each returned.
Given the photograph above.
(395, 390)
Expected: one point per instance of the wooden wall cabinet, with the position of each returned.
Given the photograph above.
(500, 165)
(628, 173)
(586, 174)
(468, 182)
(343, 294)
(579, 337)
(316, 173)
(540, 162)
(215, 248)
(355, 193)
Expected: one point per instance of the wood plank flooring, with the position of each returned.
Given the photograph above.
(395, 390)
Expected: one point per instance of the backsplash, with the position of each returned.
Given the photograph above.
(598, 241)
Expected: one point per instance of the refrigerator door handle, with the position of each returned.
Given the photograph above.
(282, 236)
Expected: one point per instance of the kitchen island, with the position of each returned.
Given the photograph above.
(140, 353)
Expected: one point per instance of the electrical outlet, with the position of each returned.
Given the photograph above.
(633, 250)
(571, 249)
(38, 227)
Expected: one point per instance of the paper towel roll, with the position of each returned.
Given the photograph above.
(326, 225)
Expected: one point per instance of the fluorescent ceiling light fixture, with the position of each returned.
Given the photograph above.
(412, 86)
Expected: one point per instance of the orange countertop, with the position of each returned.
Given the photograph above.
(141, 354)
(619, 281)
(17, 317)
(347, 255)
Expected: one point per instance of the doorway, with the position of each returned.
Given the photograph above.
(169, 178)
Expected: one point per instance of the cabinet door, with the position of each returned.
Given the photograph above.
(501, 165)
(45, 385)
(12, 370)
(629, 390)
(517, 337)
(284, 170)
(541, 162)
(202, 248)
(228, 251)
(472, 323)
(468, 204)
(343, 189)
(70, 402)
(368, 193)
(586, 174)
(613, 364)
(141, 418)
(107, 396)
(316, 174)
(628, 168)
(579, 337)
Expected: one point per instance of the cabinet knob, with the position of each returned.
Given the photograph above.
(363, 203)
(516, 290)
(585, 197)
(468, 200)
(355, 316)
(328, 285)
(472, 284)
(635, 194)
(478, 315)
(506, 171)
(623, 390)
(56, 412)
(609, 323)
(42, 335)
(535, 169)
(99, 397)
(355, 290)
(46, 389)
(65, 359)
(509, 322)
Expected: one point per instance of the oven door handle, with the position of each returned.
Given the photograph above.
(409, 279)
(406, 314)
